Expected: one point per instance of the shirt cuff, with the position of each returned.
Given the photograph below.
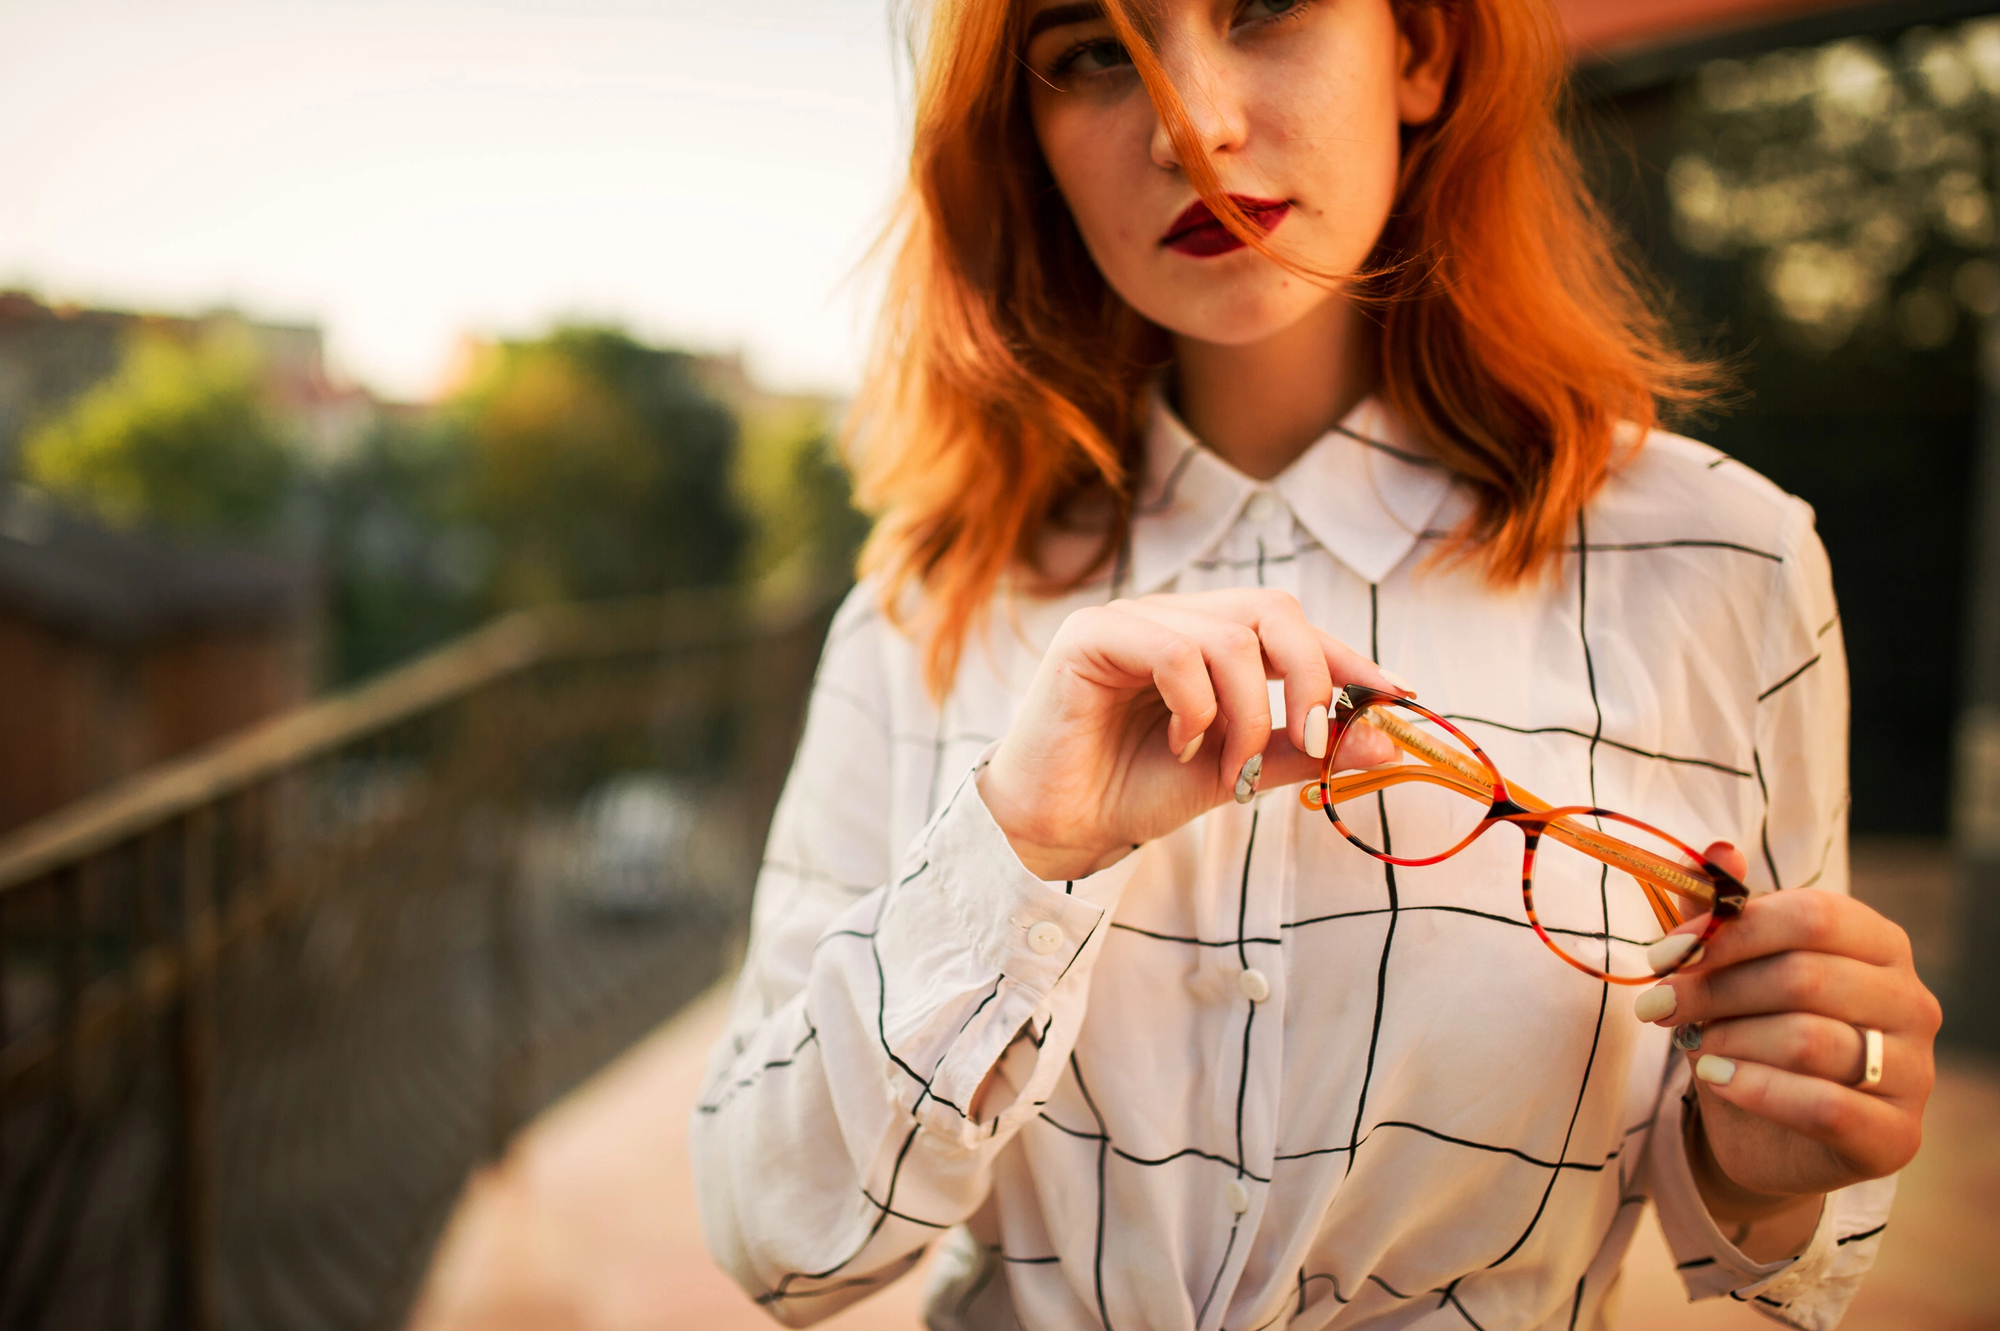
(1811, 1290)
(974, 949)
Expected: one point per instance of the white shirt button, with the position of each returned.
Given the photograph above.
(1253, 984)
(1238, 1196)
(1045, 938)
(1261, 509)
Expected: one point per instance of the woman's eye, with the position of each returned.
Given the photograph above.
(1093, 57)
(1254, 11)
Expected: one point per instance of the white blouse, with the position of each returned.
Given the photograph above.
(1249, 1077)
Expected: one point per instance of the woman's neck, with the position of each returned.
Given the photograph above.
(1260, 405)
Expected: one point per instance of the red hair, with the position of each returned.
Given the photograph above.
(1008, 381)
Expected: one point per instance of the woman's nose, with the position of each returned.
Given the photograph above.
(1216, 121)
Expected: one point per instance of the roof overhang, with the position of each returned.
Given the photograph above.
(1624, 45)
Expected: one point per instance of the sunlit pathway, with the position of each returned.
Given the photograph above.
(1937, 1270)
(589, 1225)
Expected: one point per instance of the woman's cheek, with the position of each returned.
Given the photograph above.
(1087, 169)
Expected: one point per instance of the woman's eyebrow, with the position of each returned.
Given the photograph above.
(1056, 16)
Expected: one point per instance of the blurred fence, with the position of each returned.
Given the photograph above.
(262, 1011)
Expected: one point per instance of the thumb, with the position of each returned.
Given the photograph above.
(1730, 860)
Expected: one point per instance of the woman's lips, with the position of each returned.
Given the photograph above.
(1198, 234)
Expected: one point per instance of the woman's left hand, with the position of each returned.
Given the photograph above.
(1783, 994)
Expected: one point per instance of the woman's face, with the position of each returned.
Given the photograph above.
(1297, 104)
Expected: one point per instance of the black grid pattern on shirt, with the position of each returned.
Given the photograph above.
(1448, 1294)
(1604, 988)
(884, 1206)
(1583, 548)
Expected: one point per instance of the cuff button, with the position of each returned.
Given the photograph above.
(1045, 938)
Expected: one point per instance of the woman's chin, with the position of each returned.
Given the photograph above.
(1243, 315)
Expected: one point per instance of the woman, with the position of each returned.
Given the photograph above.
(1225, 334)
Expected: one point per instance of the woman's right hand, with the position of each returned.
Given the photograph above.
(1144, 713)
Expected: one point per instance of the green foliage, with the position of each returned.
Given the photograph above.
(834, 528)
(1857, 179)
(178, 438)
(580, 465)
(405, 570)
(599, 467)
(795, 486)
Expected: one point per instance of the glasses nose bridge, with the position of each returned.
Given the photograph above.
(1673, 891)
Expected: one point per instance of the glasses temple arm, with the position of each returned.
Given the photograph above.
(1460, 773)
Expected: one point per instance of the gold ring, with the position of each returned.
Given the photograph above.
(1871, 1058)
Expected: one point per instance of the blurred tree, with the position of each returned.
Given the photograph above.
(794, 485)
(1858, 180)
(179, 438)
(597, 466)
(834, 528)
(1830, 220)
(405, 568)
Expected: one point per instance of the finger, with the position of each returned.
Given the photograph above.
(1311, 663)
(1293, 648)
(1351, 667)
(1875, 1134)
(1250, 605)
(1286, 765)
(1234, 657)
(1118, 651)
(1838, 987)
(1275, 616)
(1362, 745)
(1290, 649)
(1812, 1046)
(1807, 919)
(1727, 858)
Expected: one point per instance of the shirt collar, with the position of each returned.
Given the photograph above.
(1364, 490)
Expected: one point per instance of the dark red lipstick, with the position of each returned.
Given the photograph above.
(1198, 234)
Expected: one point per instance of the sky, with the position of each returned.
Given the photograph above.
(402, 172)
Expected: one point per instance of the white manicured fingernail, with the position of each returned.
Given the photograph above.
(1662, 955)
(1192, 746)
(1715, 1069)
(1246, 782)
(1316, 732)
(1654, 1003)
(1398, 681)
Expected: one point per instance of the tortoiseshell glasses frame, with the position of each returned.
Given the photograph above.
(1698, 880)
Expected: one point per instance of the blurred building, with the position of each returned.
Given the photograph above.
(1624, 29)
(1816, 185)
(52, 354)
(117, 650)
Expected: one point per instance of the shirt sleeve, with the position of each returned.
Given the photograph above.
(834, 1138)
(1801, 768)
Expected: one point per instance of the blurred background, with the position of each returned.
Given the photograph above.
(418, 520)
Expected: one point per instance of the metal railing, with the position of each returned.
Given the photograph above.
(264, 1009)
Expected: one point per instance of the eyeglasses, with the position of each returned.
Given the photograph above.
(1598, 900)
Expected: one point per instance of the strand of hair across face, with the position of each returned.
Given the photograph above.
(1006, 392)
